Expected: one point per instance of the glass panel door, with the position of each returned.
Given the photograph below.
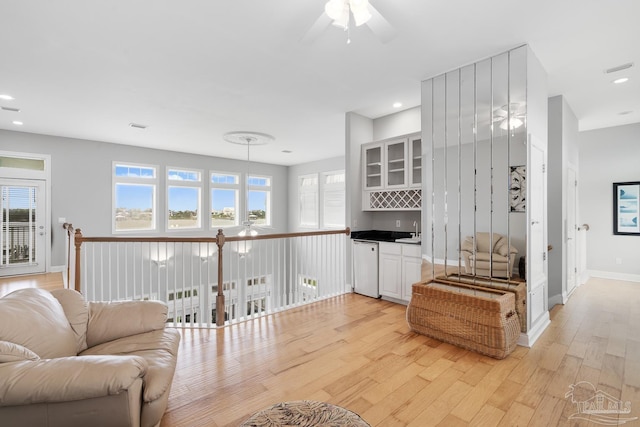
(22, 227)
(396, 172)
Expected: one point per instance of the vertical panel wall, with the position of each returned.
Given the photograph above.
(477, 127)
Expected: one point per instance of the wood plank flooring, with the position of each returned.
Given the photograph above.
(358, 352)
(48, 281)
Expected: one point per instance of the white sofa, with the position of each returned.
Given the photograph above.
(66, 362)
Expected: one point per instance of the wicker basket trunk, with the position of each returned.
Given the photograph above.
(478, 319)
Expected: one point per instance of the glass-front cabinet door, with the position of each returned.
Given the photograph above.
(396, 155)
(372, 155)
(415, 159)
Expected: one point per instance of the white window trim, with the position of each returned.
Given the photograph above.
(322, 191)
(189, 184)
(236, 187)
(134, 180)
(264, 188)
(316, 192)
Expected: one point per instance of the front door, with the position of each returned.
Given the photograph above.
(22, 227)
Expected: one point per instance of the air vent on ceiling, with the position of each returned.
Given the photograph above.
(619, 68)
(15, 110)
(137, 126)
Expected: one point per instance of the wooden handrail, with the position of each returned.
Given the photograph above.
(220, 239)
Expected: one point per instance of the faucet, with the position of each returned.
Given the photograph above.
(415, 224)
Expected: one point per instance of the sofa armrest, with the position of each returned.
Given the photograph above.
(68, 378)
(112, 320)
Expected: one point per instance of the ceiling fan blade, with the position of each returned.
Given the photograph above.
(384, 31)
(316, 29)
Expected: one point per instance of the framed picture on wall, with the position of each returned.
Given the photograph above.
(625, 208)
(517, 189)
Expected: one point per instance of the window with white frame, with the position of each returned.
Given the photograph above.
(322, 200)
(184, 199)
(225, 189)
(308, 199)
(134, 197)
(259, 200)
(333, 199)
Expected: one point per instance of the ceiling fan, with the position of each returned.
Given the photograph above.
(340, 13)
(510, 116)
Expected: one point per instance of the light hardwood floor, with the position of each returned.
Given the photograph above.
(357, 352)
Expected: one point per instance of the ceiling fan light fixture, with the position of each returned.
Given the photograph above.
(360, 10)
(512, 123)
(338, 10)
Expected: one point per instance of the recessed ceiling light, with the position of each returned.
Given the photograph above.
(17, 123)
(397, 104)
(287, 151)
(621, 80)
(7, 97)
(137, 126)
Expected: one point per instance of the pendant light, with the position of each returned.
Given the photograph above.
(247, 139)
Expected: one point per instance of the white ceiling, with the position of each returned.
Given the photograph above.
(194, 70)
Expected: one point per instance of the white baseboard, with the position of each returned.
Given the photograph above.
(584, 277)
(557, 299)
(615, 276)
(528, 339)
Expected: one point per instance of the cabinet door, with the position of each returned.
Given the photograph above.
(415, 161)
(372, 166)
(390, 275)
(411, 273)
(396, 163)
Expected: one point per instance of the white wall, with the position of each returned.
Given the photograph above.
(606, 156)
(81, 172)
(563, 152)
(327, 165)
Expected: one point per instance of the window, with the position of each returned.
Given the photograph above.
(134, 197)
(184, 191)
(333, 199)
(259, 199)
(225, 189)
(308, 197)
(322, 202)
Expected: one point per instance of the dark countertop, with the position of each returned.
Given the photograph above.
(380, 235)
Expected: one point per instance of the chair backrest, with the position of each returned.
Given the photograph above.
(485, 243)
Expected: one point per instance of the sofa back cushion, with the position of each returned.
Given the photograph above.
(34, 319)
(485, 243)
(77, 312)
(12, 352)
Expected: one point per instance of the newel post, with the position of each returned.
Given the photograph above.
(77, 240)
(220, 306)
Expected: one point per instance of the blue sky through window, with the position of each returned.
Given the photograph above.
(134, 196)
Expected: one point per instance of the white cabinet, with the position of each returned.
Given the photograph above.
(399, 268)
(415, 161)
(392, 174)
(390, 270)
(372, 166)
(411, 269)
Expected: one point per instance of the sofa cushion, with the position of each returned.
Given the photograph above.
(159, 349)
(77, 312)
(34, 319)
(112, 320)
(12, 352)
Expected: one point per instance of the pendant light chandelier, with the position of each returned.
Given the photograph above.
(247, 139)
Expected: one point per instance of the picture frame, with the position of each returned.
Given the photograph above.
(626, 201)
(517, 189)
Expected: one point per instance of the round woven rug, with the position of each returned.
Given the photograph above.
(305, 413)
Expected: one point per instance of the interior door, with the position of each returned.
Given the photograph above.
(537, 242)
(22, 231)
(572, 227)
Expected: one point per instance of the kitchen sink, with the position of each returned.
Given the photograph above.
(415, 240)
